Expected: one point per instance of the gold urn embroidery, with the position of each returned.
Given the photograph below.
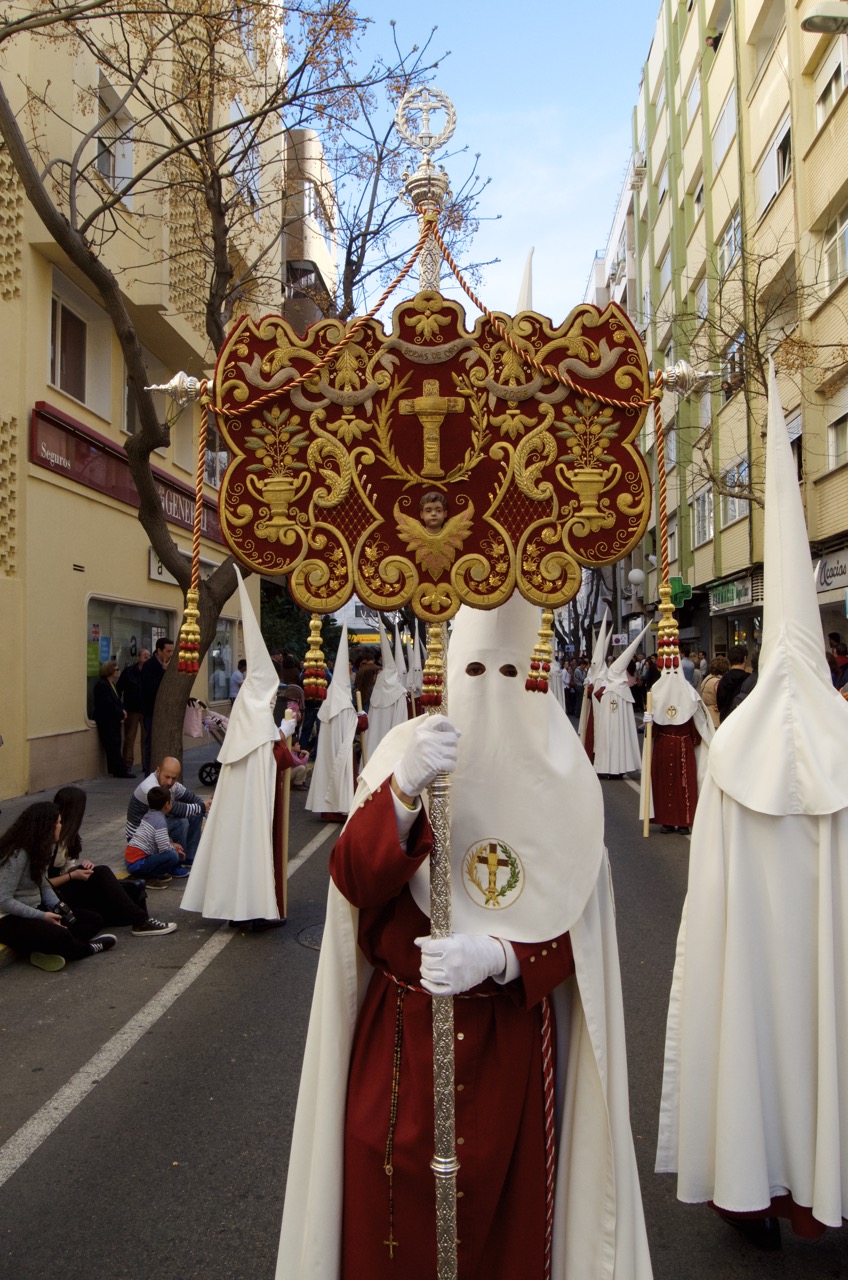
(492, 874)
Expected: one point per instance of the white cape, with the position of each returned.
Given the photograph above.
(599, 1229)
(767, 899)
(233, 873)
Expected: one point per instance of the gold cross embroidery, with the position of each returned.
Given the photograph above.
(431, 410)
(491, 861)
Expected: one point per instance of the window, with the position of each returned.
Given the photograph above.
(831, 80)
(120, 631)
(114, 158)
(701, 509)
(662, 184)
(776, 167)
(660, 103)
(665, 271)
(733, 507)
(702, 299)
(795, 428)
(733, 367)
(672, 538)
(68, 350)
(705, 411)
(837, 434)
(245, 157)
(646, 307)
(670, 447)
(217, 457)
(698, 200)
(693, 100)
(729, 244)
(220, 661)
(836, 249)
(725, 130)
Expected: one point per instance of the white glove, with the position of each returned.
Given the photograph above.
(432, 750)
(452, 965)
(287, 728)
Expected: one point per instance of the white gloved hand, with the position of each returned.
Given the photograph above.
(452, 965)
(431, 750)
(287, 728)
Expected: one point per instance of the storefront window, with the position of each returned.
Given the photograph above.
(220, 661)
(121, 631)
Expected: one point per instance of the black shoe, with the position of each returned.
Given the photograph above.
(763, 1233)
(104, 942)
(668, 831)
(684, 831)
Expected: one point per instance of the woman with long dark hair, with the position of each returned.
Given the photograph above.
(89, 888)
(32, 918)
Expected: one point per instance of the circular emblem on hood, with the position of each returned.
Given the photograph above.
(492, 874)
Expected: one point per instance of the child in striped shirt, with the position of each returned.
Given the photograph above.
(151, 853)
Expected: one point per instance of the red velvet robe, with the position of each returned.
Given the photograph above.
(499, 1089)
(674, 773)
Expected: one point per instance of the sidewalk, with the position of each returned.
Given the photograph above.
(106, 811)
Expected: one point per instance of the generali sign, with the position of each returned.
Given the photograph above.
(832, 571)
(67, 448)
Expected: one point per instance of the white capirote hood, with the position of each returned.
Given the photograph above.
(783, 750)
(251, 720)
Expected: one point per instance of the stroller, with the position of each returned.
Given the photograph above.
(216, 726)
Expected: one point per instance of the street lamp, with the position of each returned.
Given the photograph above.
(828, 17)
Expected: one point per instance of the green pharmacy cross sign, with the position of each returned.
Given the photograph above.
(680, 591)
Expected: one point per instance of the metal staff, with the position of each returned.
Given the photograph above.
(428, 189)
(646, 764)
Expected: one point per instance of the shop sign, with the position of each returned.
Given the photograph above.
(158, 573)
(67, 448)
(732, 595)
(832, 571)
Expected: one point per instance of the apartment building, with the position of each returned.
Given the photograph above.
(79, 582)
(730, 246)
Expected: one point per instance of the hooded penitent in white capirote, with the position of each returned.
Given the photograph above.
(331, 787)
(755, 1091)
(233, 873)
(674, 702)
(520, 770)
(400, 660)
(616, 739)
(387, 707)
(597, 666)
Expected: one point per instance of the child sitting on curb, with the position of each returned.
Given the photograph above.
(151, 853)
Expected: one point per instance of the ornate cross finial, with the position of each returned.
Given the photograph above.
(422, 102)
(428, 188)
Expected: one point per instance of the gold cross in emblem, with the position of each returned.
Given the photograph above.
(431, 410)
(491, 862)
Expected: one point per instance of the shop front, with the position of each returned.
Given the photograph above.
(736, 613)
(832, 593)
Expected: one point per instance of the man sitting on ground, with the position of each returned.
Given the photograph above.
(150, 852)
(185, 816)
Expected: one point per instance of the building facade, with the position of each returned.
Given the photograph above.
(730, 246)
(79, 582)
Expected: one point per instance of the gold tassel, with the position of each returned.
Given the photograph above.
(189, 641)
(314, 664)
(540, 664)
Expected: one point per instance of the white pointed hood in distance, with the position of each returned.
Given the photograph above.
(616, 673)
(416, 673)
(784, 749)
(525, 294)
(339, 697)
(387, 687)
(400, 660)
(598, 663)
(252, 719)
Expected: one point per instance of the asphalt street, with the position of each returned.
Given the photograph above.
(147, 1095)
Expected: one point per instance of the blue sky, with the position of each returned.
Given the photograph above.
(545, 93)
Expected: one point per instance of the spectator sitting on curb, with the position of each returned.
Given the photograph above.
(185, 817)
(32, 918)
(150, 852)
(86, 887)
